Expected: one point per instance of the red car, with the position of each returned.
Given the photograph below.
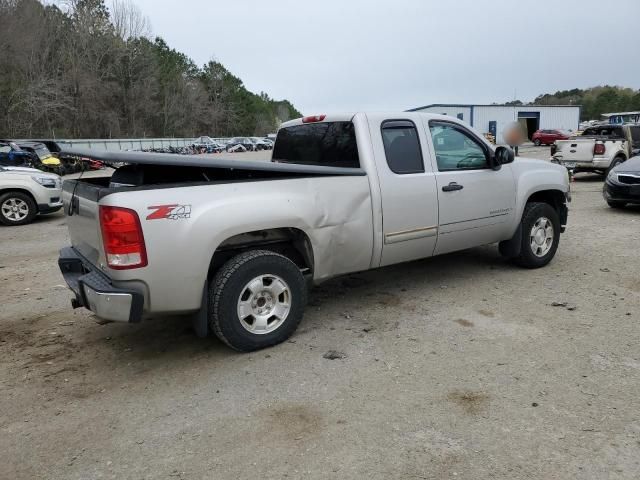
(548, 137)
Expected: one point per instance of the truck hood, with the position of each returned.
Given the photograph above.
(544, 173)
(539, 164)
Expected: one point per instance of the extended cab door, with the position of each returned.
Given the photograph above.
(408, 189)
(476, 203)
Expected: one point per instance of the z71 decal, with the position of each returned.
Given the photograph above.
(171, 212)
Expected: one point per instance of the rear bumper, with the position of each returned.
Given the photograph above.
(94, 290)
(595, 164)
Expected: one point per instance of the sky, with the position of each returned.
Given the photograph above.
(353, 55)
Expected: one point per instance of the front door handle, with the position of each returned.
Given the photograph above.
(453, 186)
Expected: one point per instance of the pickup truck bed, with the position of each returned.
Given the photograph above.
(235, 244)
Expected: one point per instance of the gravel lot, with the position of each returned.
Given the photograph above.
(454, 367)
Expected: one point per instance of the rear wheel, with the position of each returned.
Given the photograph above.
(17, 208)
(540, 235)
(537, 142)
(256, 300)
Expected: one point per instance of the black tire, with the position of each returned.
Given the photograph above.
(228, 287)
(614, 163)
(23, 198)
(537, 142)
(532, 213)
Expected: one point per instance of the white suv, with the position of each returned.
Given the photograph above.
(27, 192)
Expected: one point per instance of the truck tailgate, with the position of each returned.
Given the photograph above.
(575, 150)
(81, 207)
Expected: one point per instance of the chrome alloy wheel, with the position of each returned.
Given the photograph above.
(14, 209)
(264, 304)
(541, 237)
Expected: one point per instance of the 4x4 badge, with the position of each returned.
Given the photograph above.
(172, 212)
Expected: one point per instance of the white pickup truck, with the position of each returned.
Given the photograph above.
(236, 244)
(599, 149)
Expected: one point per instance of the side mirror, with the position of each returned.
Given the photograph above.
(502, 156)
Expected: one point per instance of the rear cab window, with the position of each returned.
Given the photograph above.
(605, 131)
(329, 144)
(402, 147)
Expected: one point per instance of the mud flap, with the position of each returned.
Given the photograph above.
(200, 319)
(511, 248)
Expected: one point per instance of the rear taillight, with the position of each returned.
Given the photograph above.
(122, 238)
(313, 118)
(599, 149)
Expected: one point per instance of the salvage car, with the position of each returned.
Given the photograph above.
(28, 154)
(207, 144)
(43, 158)
(622, 186)
(26, 193)
(236, 244)
(246, 143)
(261, 143)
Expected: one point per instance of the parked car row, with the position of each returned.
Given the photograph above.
(206, 144)
(44, 155)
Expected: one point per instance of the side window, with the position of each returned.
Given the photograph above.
(456, 149)
(402, 147)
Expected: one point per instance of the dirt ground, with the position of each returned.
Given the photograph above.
(454, 367)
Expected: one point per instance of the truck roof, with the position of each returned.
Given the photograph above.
(348, 116)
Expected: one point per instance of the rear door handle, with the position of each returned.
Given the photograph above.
(453, 186)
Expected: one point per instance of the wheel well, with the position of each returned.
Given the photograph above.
(26, 192)
(555, 198)
(290, 242)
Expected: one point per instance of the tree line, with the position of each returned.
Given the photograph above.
(88, 71)
(594, 101)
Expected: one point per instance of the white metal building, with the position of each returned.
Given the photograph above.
(494, 118)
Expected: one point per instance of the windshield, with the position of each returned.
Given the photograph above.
(42, 153)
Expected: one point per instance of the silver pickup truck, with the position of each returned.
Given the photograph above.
(236, 244)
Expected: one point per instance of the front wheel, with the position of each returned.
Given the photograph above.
(614, 163)
(256, 300)
(540, 235)
(537, 142)
(17, 208)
